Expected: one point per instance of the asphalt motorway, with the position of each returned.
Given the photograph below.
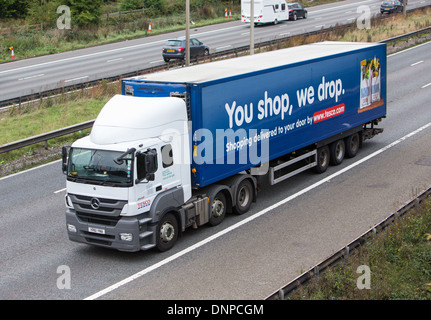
(30, 76)
(293, 226)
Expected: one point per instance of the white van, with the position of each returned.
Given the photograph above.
(265, 11)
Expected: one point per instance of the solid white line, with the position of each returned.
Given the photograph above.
(414, 64)
(427, 85)
(31, 77)
(158, 61)
(251, 218)
(76, 79)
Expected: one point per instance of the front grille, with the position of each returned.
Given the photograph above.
(105, 207)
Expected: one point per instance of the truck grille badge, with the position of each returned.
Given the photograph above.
(95, 203)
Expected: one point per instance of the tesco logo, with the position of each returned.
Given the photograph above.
(144, 204)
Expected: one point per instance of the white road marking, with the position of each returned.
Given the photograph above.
(31, 77)
(74, 79)
(416, 63)
(113, 60)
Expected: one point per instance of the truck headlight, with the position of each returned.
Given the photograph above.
(126, 236)
(68, 202)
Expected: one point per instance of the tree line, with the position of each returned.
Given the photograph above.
(85, 12)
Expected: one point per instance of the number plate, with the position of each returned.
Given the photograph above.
(171, 50)
(96, 230)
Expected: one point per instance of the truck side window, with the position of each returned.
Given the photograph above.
(167, 157)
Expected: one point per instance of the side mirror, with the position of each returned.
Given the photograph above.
(146, 165)
(64, 159)
(151, 161)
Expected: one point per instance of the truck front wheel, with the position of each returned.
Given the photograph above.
(244, 197)
(218, 209)
(167, 232)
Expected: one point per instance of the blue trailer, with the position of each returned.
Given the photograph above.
(190, 142)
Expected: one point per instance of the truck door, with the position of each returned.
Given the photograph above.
(163, 174)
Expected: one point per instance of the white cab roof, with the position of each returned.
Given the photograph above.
(128, 118)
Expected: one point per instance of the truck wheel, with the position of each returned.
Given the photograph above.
(218, 209)
(244, 197)
(167, 232)
(322, 159)
(352, 145)
(337, 152)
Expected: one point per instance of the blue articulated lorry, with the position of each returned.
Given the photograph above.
(181, 148)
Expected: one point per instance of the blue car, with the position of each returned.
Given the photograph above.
(391, 6)
(176, 49)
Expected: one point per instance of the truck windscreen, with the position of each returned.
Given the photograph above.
(99, 167)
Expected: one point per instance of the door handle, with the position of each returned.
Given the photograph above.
(158, 188)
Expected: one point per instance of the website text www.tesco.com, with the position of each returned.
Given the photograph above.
(328, 113)
(216, 309)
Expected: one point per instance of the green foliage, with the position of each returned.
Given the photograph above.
(43, 12)
(13, 8)
(84, 12)
(131, 4)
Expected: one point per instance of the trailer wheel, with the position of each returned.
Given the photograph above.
(322, 159)
(337, 152)
(244, 197)
(352, 145)
(167, 232)
(218, 209)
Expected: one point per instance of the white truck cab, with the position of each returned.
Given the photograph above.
(138, 149)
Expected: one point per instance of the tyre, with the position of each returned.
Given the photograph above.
(294, 17)
(244, 197)
(167, 232)
(352, 145)
(305, 15)
(218, 209)
(337, 152)
(323, 158)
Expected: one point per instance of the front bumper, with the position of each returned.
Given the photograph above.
(111, 232)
